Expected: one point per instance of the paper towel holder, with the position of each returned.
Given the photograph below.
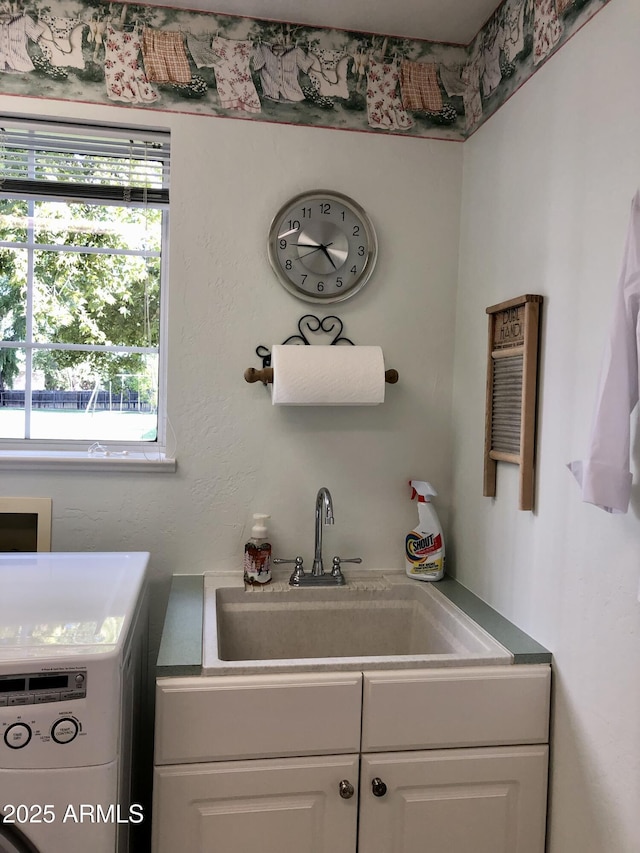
(265, 375)
(330, 325)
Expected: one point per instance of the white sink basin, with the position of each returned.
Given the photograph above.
(377, 621)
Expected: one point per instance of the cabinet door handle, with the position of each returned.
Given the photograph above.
(346, 789)
(378, 787)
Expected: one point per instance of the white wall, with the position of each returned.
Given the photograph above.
(546, 195)
(236, 453)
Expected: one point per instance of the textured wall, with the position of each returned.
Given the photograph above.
(546, 197)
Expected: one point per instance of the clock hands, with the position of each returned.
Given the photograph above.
(315, 245)
(330, 259)
(312, 246)
(316, 248)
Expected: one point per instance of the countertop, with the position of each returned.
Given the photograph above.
(180, 651)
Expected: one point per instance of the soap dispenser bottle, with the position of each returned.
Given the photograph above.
(257, 553)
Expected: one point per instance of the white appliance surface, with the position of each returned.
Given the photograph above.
(71, 630)
(71, 797)
(61, 605)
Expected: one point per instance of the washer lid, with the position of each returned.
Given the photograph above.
(56, 605)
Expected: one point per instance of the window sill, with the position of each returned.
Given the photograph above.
(61, 460)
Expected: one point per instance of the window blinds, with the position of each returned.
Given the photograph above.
(125, 166)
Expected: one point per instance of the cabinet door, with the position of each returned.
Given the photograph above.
(267, 805)
(490, 800)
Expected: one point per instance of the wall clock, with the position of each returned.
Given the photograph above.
(322, 246)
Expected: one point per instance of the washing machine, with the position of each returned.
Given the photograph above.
(73, 651)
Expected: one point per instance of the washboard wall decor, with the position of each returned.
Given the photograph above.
(512, 373)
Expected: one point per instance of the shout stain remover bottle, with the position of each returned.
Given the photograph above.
(424, 546)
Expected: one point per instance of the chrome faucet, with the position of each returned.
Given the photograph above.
(323, 501)
(318, 576)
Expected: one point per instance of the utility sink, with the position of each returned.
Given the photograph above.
(376, 621)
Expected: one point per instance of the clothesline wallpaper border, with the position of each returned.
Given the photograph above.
(206, 63)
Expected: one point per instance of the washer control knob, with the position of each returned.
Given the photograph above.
(79, 679)
(64, 730)
(17, 735)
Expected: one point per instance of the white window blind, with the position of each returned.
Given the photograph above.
(123, 166)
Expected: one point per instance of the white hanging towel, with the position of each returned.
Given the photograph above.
(604, 473)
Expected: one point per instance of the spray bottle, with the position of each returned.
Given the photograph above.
(257, 553)
(424, 546)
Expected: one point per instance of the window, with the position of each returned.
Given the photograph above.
(83, 224)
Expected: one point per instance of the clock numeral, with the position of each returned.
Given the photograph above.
(354, 270)
(288, 265)
(294, 225)
(283, 244)
(325, 208)
(304, 277)
(356, 230)
(339, 282)
(361, 250)
(306, 213)
(320, 286)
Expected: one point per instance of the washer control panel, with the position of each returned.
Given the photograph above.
(36, 688)
(27, 730)
(52, 717)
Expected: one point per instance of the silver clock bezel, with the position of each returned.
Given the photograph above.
(363, 218)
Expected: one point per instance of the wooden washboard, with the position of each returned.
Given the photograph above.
(512, 373)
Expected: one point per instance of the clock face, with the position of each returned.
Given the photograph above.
(322, 246)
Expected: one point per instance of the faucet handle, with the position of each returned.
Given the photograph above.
(335, 569)
(281, 561)
(298, 571)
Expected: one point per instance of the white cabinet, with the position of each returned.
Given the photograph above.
(455, 707)
(257, 762)
(267, 805)
(416, 795)
(490, 800)
(257, 716)
(301, 733)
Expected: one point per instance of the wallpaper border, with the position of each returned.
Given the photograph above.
(206, 63)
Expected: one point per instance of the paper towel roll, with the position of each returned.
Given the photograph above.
(327, 375)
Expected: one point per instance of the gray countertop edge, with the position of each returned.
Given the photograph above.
(180, 651)
(523, 647)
